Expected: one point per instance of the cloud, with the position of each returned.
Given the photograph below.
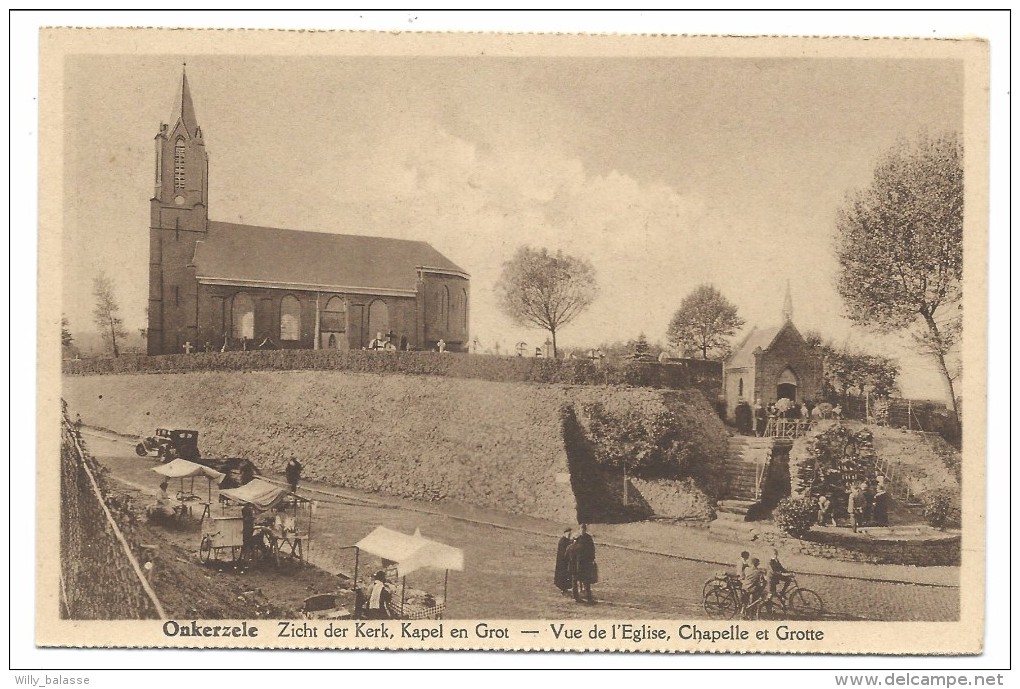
(478, 202)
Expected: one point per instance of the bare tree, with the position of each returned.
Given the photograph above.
(105, 313)
(547, 291)
(705, 321)
(900, 246)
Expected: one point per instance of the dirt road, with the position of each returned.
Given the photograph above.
(508, 573)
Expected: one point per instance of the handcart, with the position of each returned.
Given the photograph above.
(284, 531)
(220, 535)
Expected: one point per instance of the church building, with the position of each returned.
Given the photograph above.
(772, 363)
(218, 285)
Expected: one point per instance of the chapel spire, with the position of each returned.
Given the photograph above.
(787, 304)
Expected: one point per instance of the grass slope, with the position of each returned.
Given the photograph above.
(497, 445)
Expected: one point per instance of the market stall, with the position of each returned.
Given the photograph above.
(183, 469)
(281, 524)
(404, 554)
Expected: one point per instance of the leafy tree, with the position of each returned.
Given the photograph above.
(705, 321)
(547, 291)
(105, 313)
(813, 338)
(900, 246)
(66, 340)
(847, 370)
(640, 350)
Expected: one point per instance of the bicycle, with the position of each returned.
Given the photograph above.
(723, 597)
(801, 603)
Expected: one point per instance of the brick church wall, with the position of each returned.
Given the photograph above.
(214, 314)
(454, 328)
(788, 351)
(731, 388)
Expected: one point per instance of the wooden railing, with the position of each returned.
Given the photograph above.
(760, 470)
(778, 427)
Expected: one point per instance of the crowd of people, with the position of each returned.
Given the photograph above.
(867, 505)
(576, 567)
(754, 418)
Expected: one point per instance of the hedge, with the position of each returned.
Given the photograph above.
(703, 375)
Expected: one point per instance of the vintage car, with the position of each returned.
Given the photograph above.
(170, 444)
(236, 471)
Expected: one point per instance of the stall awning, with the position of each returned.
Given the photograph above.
(411, 552)
(182, 468)
(260, 494)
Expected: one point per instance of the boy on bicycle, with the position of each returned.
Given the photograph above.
(777, 573)
(752, 583)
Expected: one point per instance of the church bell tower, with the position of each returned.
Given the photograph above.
(179, 219)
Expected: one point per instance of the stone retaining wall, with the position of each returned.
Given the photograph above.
(938, 550)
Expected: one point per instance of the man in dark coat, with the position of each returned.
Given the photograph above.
(293, 472)
(561, 577)
(247, 531)
(378, 598)
(584, 568)
(880, 508)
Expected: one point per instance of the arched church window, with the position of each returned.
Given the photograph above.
(242, 316)
(463, 311)
(444, 307)
(334, 317)
(290, 318)
(179, 164)
(378, 318)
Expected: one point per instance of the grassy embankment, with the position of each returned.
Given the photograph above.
(495, 445)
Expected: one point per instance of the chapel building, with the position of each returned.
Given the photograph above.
(218, 285)
(772, 363)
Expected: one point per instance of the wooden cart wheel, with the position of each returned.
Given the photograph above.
(205, 550)
(140, 450)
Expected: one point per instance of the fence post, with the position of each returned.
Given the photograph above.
(909, 412)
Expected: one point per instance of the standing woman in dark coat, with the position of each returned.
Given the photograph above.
(585, 555)
(561, 577)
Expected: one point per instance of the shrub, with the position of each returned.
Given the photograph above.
(703, 375)
(939, 510)
(795, 516)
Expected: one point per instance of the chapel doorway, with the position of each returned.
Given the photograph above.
(787, 385)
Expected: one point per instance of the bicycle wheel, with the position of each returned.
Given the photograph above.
(712, 584)
(205, 550)
(719, 604)
(805, 604)
(771, 609)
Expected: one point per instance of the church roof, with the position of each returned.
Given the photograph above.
(744, 354)
(294, 259)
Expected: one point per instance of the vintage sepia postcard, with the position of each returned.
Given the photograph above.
(512, 342)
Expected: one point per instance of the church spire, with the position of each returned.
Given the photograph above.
(787, 304)
(184, 108)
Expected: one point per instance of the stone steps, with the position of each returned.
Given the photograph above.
(734, 506)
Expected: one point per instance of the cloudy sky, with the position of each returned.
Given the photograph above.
(663, 172)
